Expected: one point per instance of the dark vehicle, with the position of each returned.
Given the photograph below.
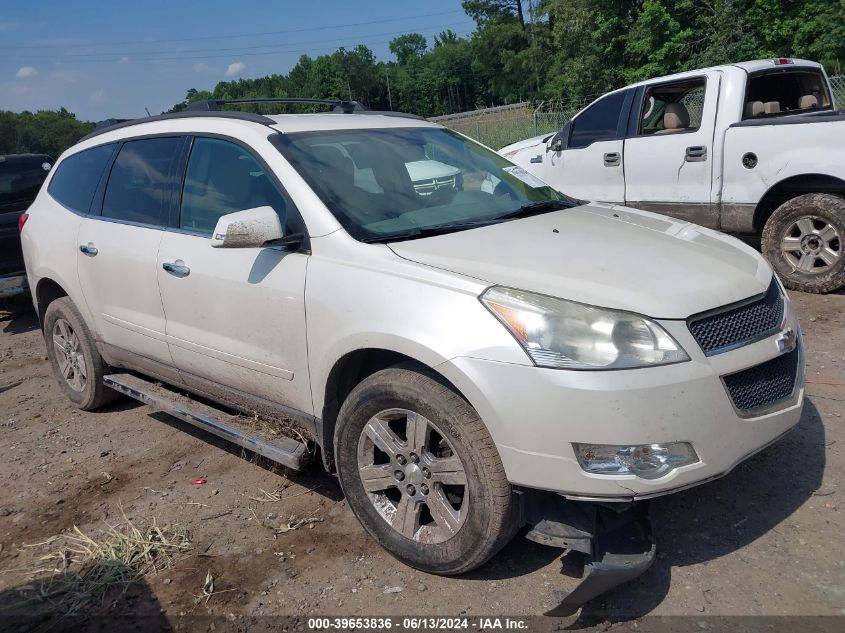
(21, 176)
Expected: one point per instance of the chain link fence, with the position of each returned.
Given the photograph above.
(502, 125)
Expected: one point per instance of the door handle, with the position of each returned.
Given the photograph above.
(175, 269)
(696, 154)
(612, 159)
(89, 249)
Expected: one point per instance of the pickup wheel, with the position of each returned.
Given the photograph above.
(77, 364)
(803, 240)
(422, 474)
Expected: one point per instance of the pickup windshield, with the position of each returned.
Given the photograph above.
(402, 183)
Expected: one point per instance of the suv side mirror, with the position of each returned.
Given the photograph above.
(251, 228)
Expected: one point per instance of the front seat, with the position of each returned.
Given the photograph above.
(675, 118)
(808, 101)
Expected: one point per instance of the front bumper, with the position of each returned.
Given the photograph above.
(535, 414)
(13, 284)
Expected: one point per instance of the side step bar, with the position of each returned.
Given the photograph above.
(283, 450)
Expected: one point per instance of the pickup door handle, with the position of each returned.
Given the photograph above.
(612, 159)
(89, 249)
(696, 154)
(175, 269)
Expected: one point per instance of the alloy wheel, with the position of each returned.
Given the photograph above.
(413, 476)
(69, 355)
(812, 245)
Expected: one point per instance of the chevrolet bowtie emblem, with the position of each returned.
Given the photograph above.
(787, 340)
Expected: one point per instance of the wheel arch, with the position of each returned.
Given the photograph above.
(46, 291)
(793, 187)
(347, 372)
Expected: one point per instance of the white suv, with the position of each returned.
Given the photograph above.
(453, 351)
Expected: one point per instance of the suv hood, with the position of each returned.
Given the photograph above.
(604, 255)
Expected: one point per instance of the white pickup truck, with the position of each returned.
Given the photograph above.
(756, 147)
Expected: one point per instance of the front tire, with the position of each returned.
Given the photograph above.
(77, 364)
(422, 474)
(803, 240)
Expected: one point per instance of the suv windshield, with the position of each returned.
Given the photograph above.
(401, 183)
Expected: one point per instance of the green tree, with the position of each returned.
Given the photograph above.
(407, 47)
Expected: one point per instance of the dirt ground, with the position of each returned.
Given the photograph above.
(766, 539)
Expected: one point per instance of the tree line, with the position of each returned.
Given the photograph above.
(523, 50)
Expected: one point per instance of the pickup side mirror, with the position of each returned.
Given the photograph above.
(560, 140)
(251, 228)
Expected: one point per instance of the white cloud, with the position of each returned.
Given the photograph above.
(235, 68)
(200, 68)
(124, 60)
(25, 72)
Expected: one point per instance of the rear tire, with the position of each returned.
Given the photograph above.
(436, 497)
(803, 241)
(77, 364)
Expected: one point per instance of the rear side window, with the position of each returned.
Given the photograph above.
(598, 122)
(140, 183)
(77, 177)
(786, 92)
(222, 178)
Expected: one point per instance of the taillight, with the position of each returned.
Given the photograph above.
(22, 220)
(782, 61)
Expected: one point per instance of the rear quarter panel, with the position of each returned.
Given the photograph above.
(49, 242)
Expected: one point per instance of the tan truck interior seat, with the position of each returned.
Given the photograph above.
(808, 101)
(771, 107)
(675, 118)
(753, 108)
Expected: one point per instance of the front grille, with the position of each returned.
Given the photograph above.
(764, 384)
(734, 326)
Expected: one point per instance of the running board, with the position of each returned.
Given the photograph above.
(283, 450)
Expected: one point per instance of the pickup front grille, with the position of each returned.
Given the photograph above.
(760, 386)
(733, 326)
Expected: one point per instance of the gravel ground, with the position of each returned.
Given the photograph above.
(765, 540)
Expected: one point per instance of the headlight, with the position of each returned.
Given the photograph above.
(565, 335)
(648, 461)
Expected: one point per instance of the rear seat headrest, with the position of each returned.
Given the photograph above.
(753, 108)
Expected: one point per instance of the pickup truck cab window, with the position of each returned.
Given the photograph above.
(598, 122)
(77, 176)
(672, 108)
(139, 185)
(785, 92)
(222, 177)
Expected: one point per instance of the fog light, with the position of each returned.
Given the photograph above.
(649, 461)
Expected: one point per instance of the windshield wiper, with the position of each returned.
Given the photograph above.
(535, 208)
(526, 210)
(428, 231)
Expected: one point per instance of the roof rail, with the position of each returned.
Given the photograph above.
(185, 114)
(338, 105)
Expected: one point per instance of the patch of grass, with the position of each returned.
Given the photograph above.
(87, 570)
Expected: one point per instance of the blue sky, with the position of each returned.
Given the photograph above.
(104, 59)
